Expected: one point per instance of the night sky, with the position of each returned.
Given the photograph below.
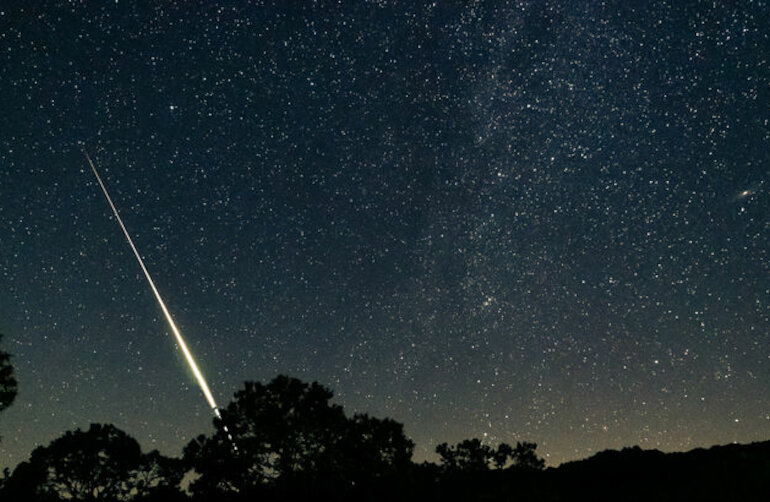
(527, 220)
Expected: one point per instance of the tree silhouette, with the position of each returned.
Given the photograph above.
(8, 384)
(524, 457)
(8, 387)
(471, 455)
(156, 476)
(468, 455)
(24, 484)
(91, 465)
(289, 434)
(280, 429)
(379, 447)
(102, 463)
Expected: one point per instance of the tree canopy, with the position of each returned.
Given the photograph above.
(284, 440)
(8, 384)
(472, 455)
(289, 433)
(102, 463)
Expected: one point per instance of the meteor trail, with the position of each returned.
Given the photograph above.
(182, 344)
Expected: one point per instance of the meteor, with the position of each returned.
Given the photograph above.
(177, 334)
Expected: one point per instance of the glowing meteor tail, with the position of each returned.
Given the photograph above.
(185, 350)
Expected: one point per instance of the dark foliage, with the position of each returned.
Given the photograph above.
(102, 463)
(723, 473)
(8, 384)
(157, 477)
(473, 456)
(292, 442)
(286, 441)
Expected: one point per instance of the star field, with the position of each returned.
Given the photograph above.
(542, 221)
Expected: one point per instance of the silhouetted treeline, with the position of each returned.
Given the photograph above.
(286, 441)
(8, 384)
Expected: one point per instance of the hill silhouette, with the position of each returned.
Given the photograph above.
(730, 472)
(735, 472)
